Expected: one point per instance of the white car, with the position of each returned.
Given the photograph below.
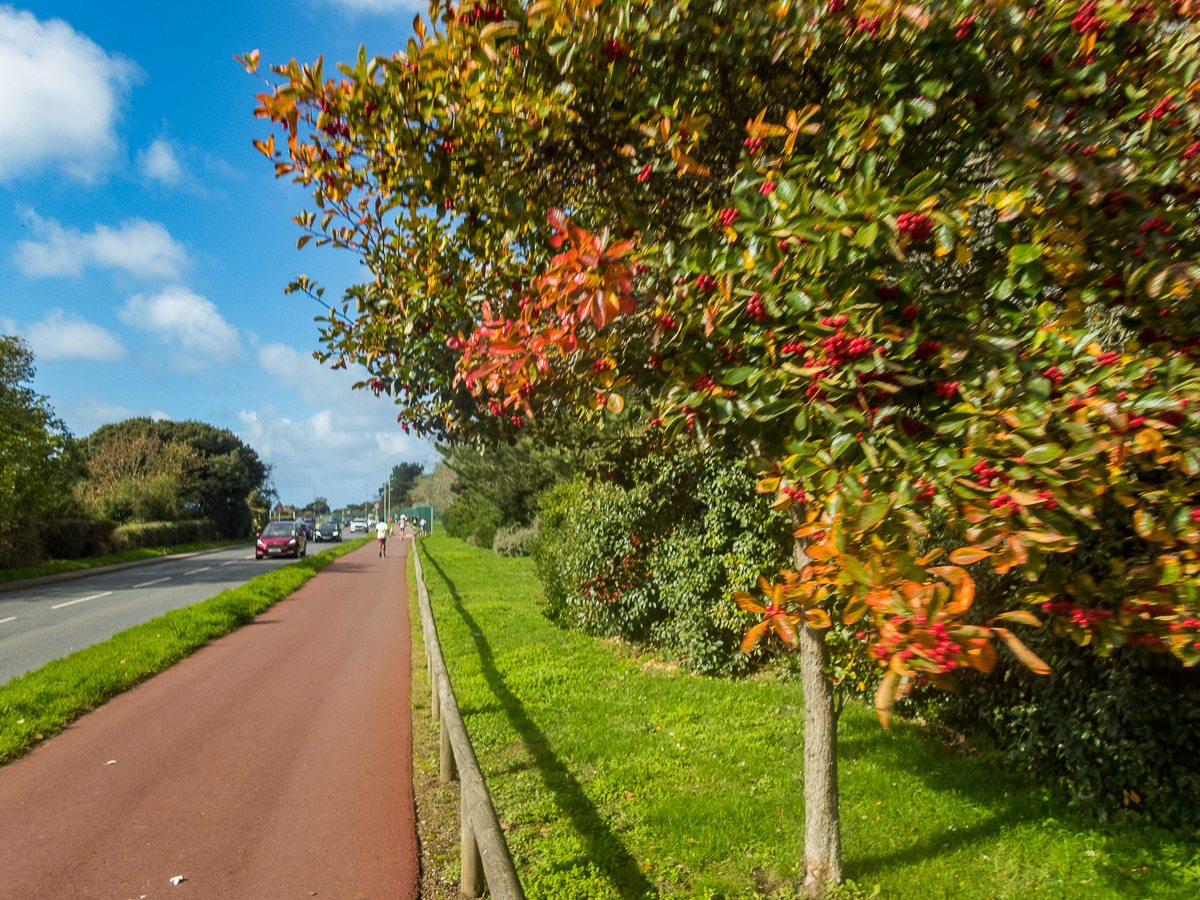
(358, 525)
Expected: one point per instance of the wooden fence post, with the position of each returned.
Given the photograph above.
(447, 767)
(471, 883)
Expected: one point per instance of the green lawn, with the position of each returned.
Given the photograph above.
(40, 703)
(57, 566)
(619, 776)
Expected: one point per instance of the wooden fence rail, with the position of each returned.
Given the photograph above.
(484, 851)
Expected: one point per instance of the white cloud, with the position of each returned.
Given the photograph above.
(62, 336)
(141, 248)
(62, 96)
(187, 320)
(159, 162)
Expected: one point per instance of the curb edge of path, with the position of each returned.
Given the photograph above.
(103, 570)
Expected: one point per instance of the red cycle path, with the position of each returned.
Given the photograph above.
(274, 763)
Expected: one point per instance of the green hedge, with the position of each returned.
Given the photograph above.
(77, 538)
(516, 540)
(651, 548)
(163, 534)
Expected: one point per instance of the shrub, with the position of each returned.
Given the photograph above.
(651, 549)
(163, 534)
(474, 519)
(516, 540)
(77, 538)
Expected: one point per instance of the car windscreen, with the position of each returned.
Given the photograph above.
(279, 529)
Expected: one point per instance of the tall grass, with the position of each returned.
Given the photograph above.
(621, 777)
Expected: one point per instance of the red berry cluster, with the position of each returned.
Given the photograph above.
(615, 50)
(755, 308)
(494, 408)
(753, 144)
(706, 283)
(1002, 501)
(1055, 374)
(727, 216)
(654, 360)
(766, 187)
(796, 493)
(841, 349)
(964, 27)
(1192, 150)
(943, 651)
(377, 386)
(1051, 503)
(836, 321)
(1108, 359)
(925, 490)
(1163, 107)
(336, 128)
(703, 383)
(911, 311)
(887, 292)
(985, 473)
(1086, 21)
(1156, 222)
(482, 13)
(1143, 12)
(869, 25)
(666, 322)
(790, 349)
(836, 6)
(927, 349)
(601, 365)
(917, 225)
(947, 389)
(645, 173)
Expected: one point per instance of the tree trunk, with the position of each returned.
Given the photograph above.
(822, 823)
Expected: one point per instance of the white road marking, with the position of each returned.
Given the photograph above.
(9, 619)
(155, 581)
(194, 571)
(230, 562)
(81, 600)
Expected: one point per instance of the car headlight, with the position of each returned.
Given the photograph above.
(292, 541)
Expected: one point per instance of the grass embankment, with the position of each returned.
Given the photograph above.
(619, 776)
(39, 704)
(57, 566)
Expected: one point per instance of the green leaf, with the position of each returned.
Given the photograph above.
(1024, 253)
(1043, 454)
(873, 513)
(738, 375)
(866, 235)
(787, 191)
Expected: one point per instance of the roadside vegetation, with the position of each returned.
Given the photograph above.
(39, 704)
(619, 774)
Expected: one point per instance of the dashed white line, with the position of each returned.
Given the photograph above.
(155, 581)
(9, 619)
(81, 600)
(194, 571)
(230, 562)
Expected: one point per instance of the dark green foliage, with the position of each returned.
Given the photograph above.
(163, 534)
(39, 461)
(499, 486)
(403, 477)
(78, 538)
(651, 547)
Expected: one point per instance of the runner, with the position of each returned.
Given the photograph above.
(403, 523)
(422, 526)
(381, 532)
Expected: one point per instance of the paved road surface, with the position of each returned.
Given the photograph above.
(42, 623)
(274, 763)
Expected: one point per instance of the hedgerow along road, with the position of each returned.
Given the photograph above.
(275, 762)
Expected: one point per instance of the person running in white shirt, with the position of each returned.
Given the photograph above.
(381, 532)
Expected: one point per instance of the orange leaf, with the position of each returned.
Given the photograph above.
(1023, 653)
(817, 618)
(747, 602)
(783, 628)
(964, 587)
(1023, 616)
(753, 635)
(929, 557)
(967, 555)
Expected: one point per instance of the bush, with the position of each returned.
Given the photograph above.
(651, 550)
(473, 518)
(516, 540)
(163, 534)
(77, 538)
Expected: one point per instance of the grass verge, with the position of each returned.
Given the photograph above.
(57, 566)
(40, 703)
(618, 776)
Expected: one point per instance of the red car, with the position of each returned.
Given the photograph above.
(281, 539)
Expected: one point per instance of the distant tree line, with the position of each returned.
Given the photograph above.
(63, 497)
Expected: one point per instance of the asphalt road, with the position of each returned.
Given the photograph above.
(47, 622)
(275, 762)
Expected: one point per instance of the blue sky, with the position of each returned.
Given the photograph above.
(145, 244)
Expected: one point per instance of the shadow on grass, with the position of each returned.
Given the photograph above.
(603, 849)
(1007, 801)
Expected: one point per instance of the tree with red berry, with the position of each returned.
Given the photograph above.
(923, 263)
